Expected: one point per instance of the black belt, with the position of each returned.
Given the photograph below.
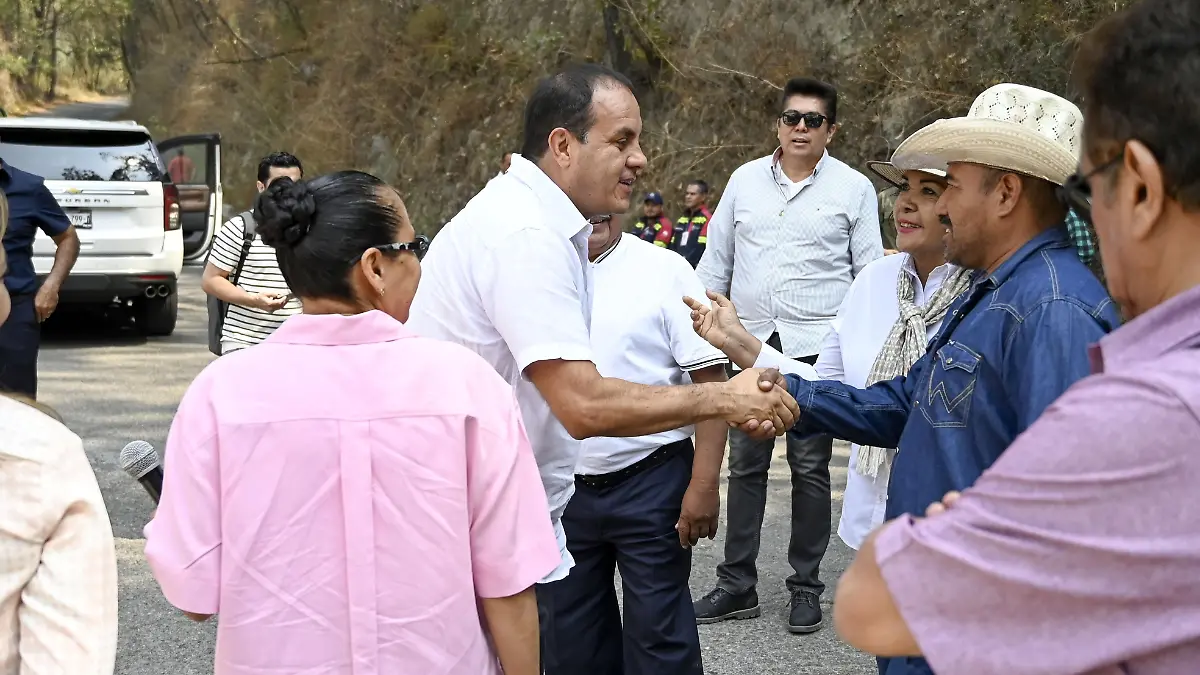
(657, 458)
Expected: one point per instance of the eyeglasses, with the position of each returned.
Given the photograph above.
(1076, 194)
(417, 247)
(811, 120)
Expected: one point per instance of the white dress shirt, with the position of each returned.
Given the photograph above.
(857, 334)
(785, 253)
(508, 278)
(642, 332)
(58, 567)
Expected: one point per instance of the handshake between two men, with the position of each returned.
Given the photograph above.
(720, 327)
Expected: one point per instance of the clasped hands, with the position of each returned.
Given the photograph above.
(763, 408)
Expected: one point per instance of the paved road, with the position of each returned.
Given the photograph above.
(105, 109)
(113, 387)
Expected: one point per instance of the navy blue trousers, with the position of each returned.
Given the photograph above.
(631, 527)
(20, 337)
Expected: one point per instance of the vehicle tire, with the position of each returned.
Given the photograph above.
(156, 316)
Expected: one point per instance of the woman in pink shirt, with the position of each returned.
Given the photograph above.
(349, 497)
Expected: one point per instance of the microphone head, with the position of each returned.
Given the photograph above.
(138, 458)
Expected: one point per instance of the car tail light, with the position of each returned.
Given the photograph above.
(170, 207)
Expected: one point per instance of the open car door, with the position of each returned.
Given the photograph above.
(193, 163)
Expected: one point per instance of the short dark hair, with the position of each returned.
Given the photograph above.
(1139, 76)
(700, 184)
(318, 228)
(806, 86)
(277, 160)
(564, 99)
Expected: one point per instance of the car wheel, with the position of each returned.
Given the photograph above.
(156, 316)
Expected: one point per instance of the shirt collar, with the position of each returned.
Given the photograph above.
(781, 177)
(1055, 237)
(339, 329)
(938, 274)
(612, 248)
(566, 217)
(1161, 330)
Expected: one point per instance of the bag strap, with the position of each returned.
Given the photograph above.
(249, 227)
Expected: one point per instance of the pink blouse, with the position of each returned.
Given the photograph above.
(341, 494)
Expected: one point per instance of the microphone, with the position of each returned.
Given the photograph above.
(139, 460)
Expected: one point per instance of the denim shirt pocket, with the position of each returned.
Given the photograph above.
(951, 385)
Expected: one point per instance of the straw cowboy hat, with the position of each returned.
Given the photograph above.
(905, 160)
(1010, 127)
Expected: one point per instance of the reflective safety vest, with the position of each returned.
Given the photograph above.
(691, 235)
(658, 231)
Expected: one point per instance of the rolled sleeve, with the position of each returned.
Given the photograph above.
(513, 543)
(1074, 546)
(183, 541)
(531, 294)
(50, 216)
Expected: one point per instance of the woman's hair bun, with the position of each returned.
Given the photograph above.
(285, 212)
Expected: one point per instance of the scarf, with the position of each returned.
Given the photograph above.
(905, 345)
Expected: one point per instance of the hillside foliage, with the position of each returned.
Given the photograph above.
(429, 95)
(51, 46)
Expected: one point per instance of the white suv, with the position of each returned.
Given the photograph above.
(138, 216)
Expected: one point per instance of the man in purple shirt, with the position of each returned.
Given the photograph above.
(1078, 551)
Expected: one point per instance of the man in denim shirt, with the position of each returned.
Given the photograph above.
(1014, 341)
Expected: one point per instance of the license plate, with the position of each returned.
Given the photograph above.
(80, 218)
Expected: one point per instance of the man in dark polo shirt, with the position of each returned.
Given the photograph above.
(31, 207)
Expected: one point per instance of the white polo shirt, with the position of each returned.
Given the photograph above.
(508, 278)
(642, 332)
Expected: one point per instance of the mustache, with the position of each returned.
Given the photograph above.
(945, 220)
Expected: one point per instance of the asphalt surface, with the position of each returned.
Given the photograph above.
(104, 109)
(113, 387)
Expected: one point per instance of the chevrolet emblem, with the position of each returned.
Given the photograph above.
(74, 191)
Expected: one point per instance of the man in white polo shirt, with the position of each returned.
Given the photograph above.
(630, 492)
(508, 278)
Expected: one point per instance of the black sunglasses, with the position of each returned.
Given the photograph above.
(417, 247)
(1076, 194)
(811, 120)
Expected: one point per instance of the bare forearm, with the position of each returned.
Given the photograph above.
(64, 259)
(623, 409)
(743, 349)
(513, 624)
(222, 288)
(711, 436)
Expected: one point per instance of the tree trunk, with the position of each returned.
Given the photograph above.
(618, 52)
(53, 58)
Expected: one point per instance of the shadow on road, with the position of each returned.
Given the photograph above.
(90, 327)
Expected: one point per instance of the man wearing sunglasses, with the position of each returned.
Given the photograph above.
(1011, 344)
(791, 231)
(1078, 550)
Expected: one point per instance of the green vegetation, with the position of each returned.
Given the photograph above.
(52, 48)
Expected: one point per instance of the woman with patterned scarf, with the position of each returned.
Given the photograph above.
(891, 311)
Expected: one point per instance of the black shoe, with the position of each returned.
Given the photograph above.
(720, 605)
(806, 612)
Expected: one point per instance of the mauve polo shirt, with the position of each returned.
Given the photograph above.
(1078, 551)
